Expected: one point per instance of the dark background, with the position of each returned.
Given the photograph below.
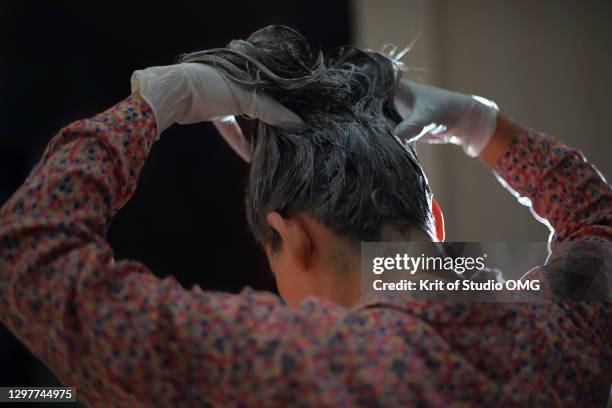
(65, 60)
(546, 63)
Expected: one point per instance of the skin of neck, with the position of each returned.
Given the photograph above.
(313, 261)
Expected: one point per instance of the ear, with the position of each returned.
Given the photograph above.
(438, 220)
(296, 239)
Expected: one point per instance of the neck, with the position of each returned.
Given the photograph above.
(339, 273)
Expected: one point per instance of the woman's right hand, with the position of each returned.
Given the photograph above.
(192, 92)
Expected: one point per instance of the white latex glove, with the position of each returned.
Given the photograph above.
(434, 115)
(192, 92)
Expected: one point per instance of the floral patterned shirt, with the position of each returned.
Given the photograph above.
(124, 337)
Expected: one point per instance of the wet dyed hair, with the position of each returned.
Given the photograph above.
(346, 168)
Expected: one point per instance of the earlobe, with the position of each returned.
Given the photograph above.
(295, 238)
(438, 220)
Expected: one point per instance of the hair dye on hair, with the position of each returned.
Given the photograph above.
(345, 168)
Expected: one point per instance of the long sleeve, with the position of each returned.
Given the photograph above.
(53, 254)
(113, 330)
(570, 195)
(562, 188)
(123, 337)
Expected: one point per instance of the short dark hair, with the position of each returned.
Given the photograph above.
(345, 168)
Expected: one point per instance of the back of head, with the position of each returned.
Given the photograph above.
(346, 169)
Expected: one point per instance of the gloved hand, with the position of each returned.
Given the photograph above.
(192, 92)
(434, 115)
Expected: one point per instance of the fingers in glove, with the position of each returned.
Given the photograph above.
(432, 133)
(411, 131)
(231, 132)
(263, 107)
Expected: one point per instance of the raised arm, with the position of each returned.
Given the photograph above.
(110, 328)
(563, 189)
